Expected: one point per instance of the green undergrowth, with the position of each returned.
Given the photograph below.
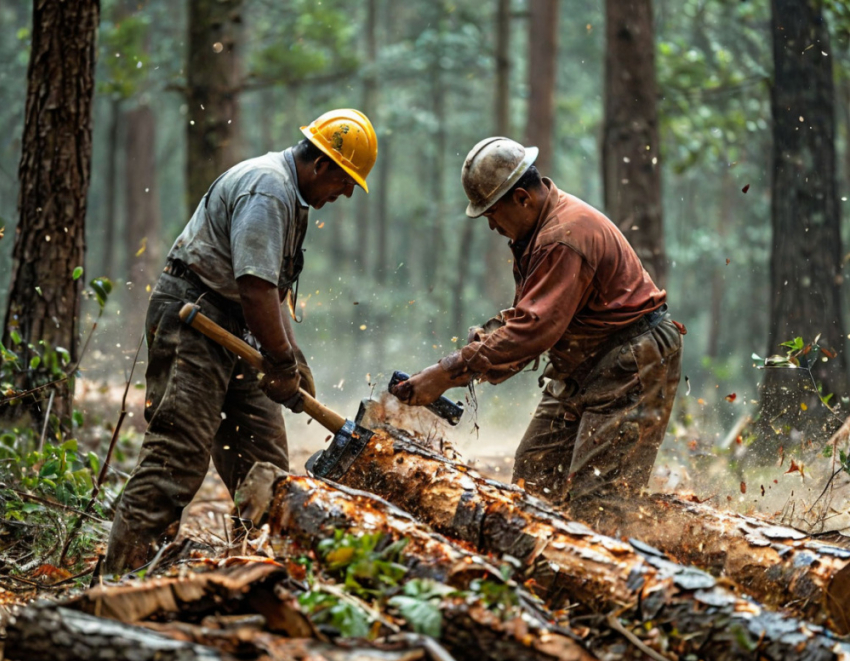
(358, 585)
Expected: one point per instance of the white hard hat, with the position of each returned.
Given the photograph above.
(490, 169)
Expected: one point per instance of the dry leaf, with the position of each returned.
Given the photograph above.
(731, 397)
(743, 487)
(745, 188)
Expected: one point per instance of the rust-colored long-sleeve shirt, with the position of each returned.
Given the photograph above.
(577, 281)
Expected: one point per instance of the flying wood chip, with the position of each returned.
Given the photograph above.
(743, 487)
(745, 188)
(828, 353)
(796, 468)
(731, 397)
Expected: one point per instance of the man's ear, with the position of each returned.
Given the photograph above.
(321, 165)
(522, 198)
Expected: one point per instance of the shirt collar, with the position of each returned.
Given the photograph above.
(290, 161)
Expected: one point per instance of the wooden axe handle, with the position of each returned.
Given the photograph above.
(190, 314)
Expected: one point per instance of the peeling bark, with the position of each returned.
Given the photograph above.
(566, 562)
(310, 511)
(781, 567)
(49, 633)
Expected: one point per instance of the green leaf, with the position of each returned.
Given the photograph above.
(35, 361)
(16, 337)
(38, 291)
(50, 469)
(423, 616)
(77, 273)
(70, 444)
(827, 451)
(102, 288)
(94, 463)
(77, 417)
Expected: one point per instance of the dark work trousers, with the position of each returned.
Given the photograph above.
(594, 443)
(201, 401)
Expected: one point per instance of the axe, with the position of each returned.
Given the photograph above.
(349, 438)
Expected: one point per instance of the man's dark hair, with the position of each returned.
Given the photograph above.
(529, 180)
(308, 152)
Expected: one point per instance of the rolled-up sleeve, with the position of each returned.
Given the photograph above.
(548, 299)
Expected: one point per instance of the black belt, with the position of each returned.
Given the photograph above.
(645, 324)
(179, 269)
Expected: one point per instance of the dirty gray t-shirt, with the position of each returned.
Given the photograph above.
(252, 221)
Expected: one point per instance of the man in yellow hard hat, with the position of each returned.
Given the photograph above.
(583, 299)
(239, 256)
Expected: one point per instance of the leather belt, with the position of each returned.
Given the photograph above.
(178, 269)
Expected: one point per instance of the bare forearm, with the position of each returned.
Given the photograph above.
(261, 307)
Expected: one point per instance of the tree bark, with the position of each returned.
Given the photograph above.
(143, 212)
(542, 77)
(213, 80)
(718, 275)
(383, 223)
(565, 561)
(44, 300)
(310, 511)
(48, 633)
(497, 278)
(111, 220)
(779, 566)
(631, 171)
(370, 102)
(805, 271)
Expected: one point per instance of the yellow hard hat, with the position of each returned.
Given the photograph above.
(347, 137)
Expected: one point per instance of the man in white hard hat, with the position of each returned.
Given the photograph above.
(582, 298)
(238, 257)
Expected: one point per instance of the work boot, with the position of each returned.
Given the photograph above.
(128, 548)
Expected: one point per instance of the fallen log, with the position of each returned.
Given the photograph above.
(565, 561)
(46, 632)
(310, 511)
(251, 587)
(779, 566)
(245, 639)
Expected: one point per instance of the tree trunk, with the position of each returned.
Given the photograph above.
(213, 80)
(143, 213)
(111, 220)
(309, 510)
(718, 276)
(564, 561)
(44, 300)
(48, 633)
(503, 67)
(370, 102)
(497, 280)
(806, 251)
(542, 77)
(779, 566)
(630, 152)
(383, 224)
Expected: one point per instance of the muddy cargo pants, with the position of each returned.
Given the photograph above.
(592, 443)
(201, 401)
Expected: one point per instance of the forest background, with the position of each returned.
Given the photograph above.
(393, 279)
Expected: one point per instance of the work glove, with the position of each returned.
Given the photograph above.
(307, 382)
(280, 384)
